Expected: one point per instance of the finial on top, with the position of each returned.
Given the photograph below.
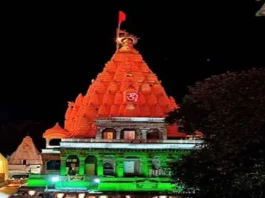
(123, 38)
(126, 40)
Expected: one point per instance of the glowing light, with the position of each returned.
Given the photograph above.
(96, 180)
(103, 196)
(55, 179)
(3, 195)
(81, 195)
(60, 195)
(32, 192)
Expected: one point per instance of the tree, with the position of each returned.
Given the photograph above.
(230, 111)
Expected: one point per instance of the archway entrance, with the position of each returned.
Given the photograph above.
(91, 165)
(72, 164)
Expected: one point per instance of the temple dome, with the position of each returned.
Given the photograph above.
(126, 87)
(55, 132)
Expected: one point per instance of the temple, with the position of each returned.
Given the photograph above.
(26, 159)
(114, 137)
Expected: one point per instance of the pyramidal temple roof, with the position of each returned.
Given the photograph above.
(26, 151)
(125, 88)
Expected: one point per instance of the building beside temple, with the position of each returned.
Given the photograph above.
(115, 138)
(26, 159)
(3, 169)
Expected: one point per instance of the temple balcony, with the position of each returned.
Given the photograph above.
(129, 144)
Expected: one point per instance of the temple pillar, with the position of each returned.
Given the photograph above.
(119, 167)
(164, 133)
(143, 132)
(63, 166)
(139, 135)
(44, 166)
(81, 166)
(99, 133)
(47, 143)
(118, 133)
(100, 166)
(149, 167)
(144, 166)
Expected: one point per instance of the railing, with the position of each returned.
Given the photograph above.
(131, 119)
(180, 141)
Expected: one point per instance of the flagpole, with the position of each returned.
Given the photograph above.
(117, 36)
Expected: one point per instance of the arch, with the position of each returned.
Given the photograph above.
(153, 134)
(108, 167)
(128, 134)
(109, 134)
(72, 164)
(91, 165)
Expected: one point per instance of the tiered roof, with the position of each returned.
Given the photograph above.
(126, 87)
(26, 151)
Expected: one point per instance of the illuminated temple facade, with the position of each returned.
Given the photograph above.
(115, 138)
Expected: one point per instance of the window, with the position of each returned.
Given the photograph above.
(108, 135)
(129, 135)
(108, 168)
(131, 167)
(91, 165)
(153, 134)
(72, 165)
(53, 165)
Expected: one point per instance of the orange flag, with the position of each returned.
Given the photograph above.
(122, 17)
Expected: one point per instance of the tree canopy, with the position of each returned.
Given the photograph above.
(230, 111)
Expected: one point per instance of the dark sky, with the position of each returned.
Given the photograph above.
(50, 53)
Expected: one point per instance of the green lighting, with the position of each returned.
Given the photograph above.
(145, 177)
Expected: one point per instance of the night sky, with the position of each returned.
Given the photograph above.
(50, 53)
